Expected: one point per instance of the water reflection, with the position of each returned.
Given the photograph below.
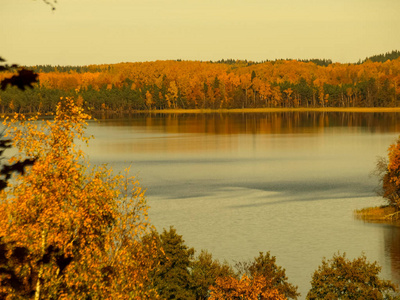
(257, 123)
(205, 133)
(392, 249)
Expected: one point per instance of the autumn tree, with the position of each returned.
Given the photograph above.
(341, 278)
(149, 99)
(258, 279)
(388, 171)
(264, 266)
(172, 94)
(245, 288)
(94, 220)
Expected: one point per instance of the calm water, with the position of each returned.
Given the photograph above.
(238, 184)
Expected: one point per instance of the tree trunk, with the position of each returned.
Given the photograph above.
(41, 267)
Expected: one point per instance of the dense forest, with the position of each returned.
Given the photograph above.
(213, 85)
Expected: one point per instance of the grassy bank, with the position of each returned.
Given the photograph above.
(379, 214)
(271, 110)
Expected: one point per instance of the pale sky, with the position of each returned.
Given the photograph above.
(82, 32)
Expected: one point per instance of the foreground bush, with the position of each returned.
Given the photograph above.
(231, 288)
(264, 266)
(340, 278)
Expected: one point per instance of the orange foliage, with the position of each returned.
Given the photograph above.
(230, 288)
(192, 84)
(394, 163)
(390, 172)
(93, 217)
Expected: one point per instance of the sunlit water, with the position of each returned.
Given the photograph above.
(240, 184)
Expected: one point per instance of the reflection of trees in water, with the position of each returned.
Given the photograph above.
(274, 122)
(392, 249)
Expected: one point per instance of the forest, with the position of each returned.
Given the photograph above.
(225, 84)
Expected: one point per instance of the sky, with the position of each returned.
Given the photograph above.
(83, 32)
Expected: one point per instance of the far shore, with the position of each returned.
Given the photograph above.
(271, 110)
(236, 110)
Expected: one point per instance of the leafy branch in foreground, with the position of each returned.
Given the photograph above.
(24, 77)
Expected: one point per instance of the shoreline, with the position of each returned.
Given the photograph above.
(384, 214)
(272, 110)
(231, 111)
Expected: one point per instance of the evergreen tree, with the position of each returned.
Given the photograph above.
(171, 278)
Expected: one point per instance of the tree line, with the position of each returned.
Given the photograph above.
(384, 57)
(164, 85)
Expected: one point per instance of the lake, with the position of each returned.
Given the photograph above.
(238, 184)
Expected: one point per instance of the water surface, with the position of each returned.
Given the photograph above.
(238, 184)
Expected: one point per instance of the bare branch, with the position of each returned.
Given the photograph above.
(51, 3)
